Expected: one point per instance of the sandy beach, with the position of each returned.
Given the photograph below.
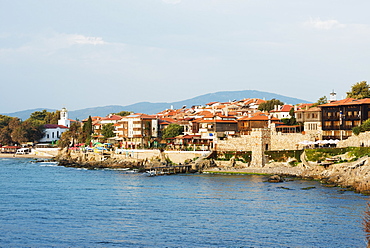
(10, 155)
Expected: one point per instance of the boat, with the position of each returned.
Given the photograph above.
(150, 173)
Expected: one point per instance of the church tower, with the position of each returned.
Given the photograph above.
(64, 121)
(333, 97)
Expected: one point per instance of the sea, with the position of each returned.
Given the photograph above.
(45, 205)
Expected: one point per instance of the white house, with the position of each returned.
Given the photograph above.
(53, 132)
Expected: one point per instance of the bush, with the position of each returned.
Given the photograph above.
(283, 156)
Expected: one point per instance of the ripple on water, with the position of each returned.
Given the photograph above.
(42, 206)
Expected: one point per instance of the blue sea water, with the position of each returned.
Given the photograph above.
(43, 205)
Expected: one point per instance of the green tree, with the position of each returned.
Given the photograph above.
(38, 117)
(172, 130)
(365, 126)
(107, 130)
(5, 137)
(123, 113)
(34, 132)
(52, 117)
(87, 130)
(320, 101)
(65, 139)
(4, 120)
(269, 105)
(359, 90)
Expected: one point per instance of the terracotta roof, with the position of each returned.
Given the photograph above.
(112, 117)
(50, 126)
(217, 121)
(313, 109)
(11, 147)
(284, 108)
(347, 101)
(259, 117)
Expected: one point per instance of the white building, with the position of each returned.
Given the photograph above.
(53, 132)
(64, 121)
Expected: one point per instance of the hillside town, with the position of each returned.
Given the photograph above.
(327, 140)
(215, 126)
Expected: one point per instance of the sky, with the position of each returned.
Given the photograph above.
(88, 53)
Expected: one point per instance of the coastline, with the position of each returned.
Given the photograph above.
(35, 156)
(350, 175)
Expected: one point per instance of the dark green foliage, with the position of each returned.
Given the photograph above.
(123, 113)
(365, 126)
(172, 130)
(290, 121)
(323, 153)
(14, 131)
(107, 130)
(65, 139)
(283, 156)
(359, 152)
(4, 120)
(72, 136)
(243, 156)
(87, 131)
(356, 130)
(359, 90)
(269, 105)
(322, 100)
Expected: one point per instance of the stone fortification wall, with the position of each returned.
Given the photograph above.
(278, 141)
(288, 141)
(243, 143)
(363, 139)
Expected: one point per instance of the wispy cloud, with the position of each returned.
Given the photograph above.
(85, 40)
(324, 25)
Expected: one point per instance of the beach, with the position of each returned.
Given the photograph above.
(36, 156)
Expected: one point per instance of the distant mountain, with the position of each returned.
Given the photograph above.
(152, 108)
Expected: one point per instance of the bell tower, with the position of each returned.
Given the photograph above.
(333, 96)
(64, 121)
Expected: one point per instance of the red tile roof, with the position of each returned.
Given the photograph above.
(284, 108)
(347, 101)
(50, 126)
(258, 117)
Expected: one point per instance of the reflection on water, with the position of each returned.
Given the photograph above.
(57, 206)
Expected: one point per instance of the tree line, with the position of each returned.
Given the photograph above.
(15, 131)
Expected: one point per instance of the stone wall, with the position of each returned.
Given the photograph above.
(288, 141)
(278, 141)
(363, 139)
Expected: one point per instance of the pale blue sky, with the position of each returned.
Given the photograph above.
(87, 53)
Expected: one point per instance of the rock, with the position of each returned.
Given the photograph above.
(275, 179)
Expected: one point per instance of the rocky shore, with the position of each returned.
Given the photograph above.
(351, 175)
